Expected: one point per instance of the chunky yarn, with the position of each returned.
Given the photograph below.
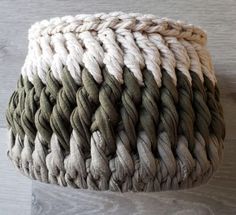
(121, 102)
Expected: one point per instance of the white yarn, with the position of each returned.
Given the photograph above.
(113, 58)
(168, 61)
(60, 55)
(181, 56)
(151, 55)
(46, 57)
(195, 65)
(74, 58)
(133, 58)
(99, 166)
(75, 164)
(93, 56)
(55, 162)
(16, 150)
(115, 40)
(26, 157)
(39, 159)
(206, 62)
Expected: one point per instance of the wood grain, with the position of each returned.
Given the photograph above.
(218, 18)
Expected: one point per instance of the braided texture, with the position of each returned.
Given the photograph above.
(121, 102)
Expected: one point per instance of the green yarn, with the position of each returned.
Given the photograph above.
(118, 111)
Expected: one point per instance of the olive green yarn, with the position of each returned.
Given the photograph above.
(146, 120)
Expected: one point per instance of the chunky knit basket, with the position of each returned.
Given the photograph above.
(121, 102)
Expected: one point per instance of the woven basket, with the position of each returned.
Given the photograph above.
(120, 102)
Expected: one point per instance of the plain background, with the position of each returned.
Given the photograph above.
(18, 195)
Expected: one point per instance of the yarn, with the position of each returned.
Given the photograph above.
(120, 102)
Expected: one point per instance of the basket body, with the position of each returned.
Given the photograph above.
(120, 102)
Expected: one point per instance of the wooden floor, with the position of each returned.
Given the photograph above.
(18, 195)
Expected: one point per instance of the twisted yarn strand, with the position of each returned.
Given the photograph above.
(103, 131)
(122, 165)
(81, 117)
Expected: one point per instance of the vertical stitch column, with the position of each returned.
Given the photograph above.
(103, 127)
(81, 119)
(167, 129)
(47, 98)
(60, 123)
(27, 121)
(122, 166)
